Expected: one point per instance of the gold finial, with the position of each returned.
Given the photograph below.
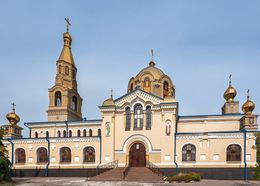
(230, 80)
(68, 23)
(248, 95)
(111, 93)
(13, 104)
(152, 53)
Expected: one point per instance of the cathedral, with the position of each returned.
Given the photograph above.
(142, 128)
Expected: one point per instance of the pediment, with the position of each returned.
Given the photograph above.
(137, 95)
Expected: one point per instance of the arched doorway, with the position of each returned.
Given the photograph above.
(137, 155)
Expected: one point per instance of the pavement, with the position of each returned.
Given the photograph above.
(79, 181)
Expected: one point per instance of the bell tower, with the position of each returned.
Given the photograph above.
(64, 99)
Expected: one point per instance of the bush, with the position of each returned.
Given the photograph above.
(5, 168)
(185, 177)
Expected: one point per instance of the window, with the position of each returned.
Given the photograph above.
(128, 118)
(60, 69)
(73, 74)
(65, 155)
(89, 154)
(70, 133)
(20, 155)
(234, 153)
(90, 132)
(147, 84)
(64, 134)
(42, 156)
(165, 88)
(47, 134)
(148, 117)
(189, 153)
(78, 133)
(99, 132)
(138, 116)
(131, 87)
(58, 134)
(74, 103)
(58, 98)
(67, 70)
(36, 134)
(84, 133)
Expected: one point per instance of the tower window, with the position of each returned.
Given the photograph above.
(58, 134)
(64, 134)
(73, 74)
(128, 118)
(84, 133)
(67, 70)
(60, 69)
(74, 103)
(36, 135)
(148, 117)
(90, 132)
(147, 85)
(47, 134)
(165, 88)
(70, 133)
(58, 98)
(138, 116)
(131, 87)
(78, 133)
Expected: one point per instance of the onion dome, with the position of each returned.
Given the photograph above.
(110, 101)
(12, 117)
(248, 106)
(230, 93)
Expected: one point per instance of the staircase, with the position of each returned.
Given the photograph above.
(135, 174)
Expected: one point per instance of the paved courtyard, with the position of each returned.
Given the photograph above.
(54, 181)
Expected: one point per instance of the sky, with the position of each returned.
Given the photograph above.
(197, 43)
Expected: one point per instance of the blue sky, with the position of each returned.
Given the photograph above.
(197, 43)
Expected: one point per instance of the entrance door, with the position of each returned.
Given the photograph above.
(137, 155)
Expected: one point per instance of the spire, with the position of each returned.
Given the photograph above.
(66, 54)
(152, 63)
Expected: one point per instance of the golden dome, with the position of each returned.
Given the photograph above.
(151, 69)
(108, 102)
(67, 39)
(13, 118)
(230, 93)
(248, 106)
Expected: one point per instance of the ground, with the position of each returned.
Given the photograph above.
(79, 181)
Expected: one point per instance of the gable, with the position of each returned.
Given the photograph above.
(137, 95)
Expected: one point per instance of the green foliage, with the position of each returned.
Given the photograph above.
(257, 147)
(5, 164)
(185, 177)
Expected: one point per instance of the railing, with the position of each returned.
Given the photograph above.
(154, 168)
(126, 171)
(110, 165)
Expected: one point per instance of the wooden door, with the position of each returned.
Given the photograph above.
(137, 155)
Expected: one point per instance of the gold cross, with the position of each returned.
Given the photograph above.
(230, 76)
(248, 93)
(68, 23)
(13, 106)
(152, 53)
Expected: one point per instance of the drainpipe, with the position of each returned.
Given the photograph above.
(175, 134)
(100, 153)
(67, 128)
(48, 162)
(12, 144)
(245, 167)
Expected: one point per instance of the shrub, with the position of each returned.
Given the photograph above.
(185, 177)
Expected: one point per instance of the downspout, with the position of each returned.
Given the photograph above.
(100, 154)
(48, 162)
(12, 144)
(245, 164)
(175, 133)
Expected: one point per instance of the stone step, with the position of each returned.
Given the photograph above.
(110, 175)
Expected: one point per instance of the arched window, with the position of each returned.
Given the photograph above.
(189, 153)
(58, 98)
(58, 134)
(67, 70)
(60, 69)
(89, 154)
(148, 117)
(20, 156)
(70, 133)
(64, 134)
(65, 155)
(165, 88)
(99, 132)
(73, 74)
(147, 85)
(42, 156)
(84, 133)
(74, 103)
(138, 116)
(78, 133)
(234, 152)
(47, 134)
(36, 134)
(128, 118)
(90, 132)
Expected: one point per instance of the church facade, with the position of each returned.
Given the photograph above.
(141, 128)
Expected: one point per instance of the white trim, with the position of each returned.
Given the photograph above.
(136, 138)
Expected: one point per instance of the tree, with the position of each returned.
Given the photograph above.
(257, 147)
(5, 164)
